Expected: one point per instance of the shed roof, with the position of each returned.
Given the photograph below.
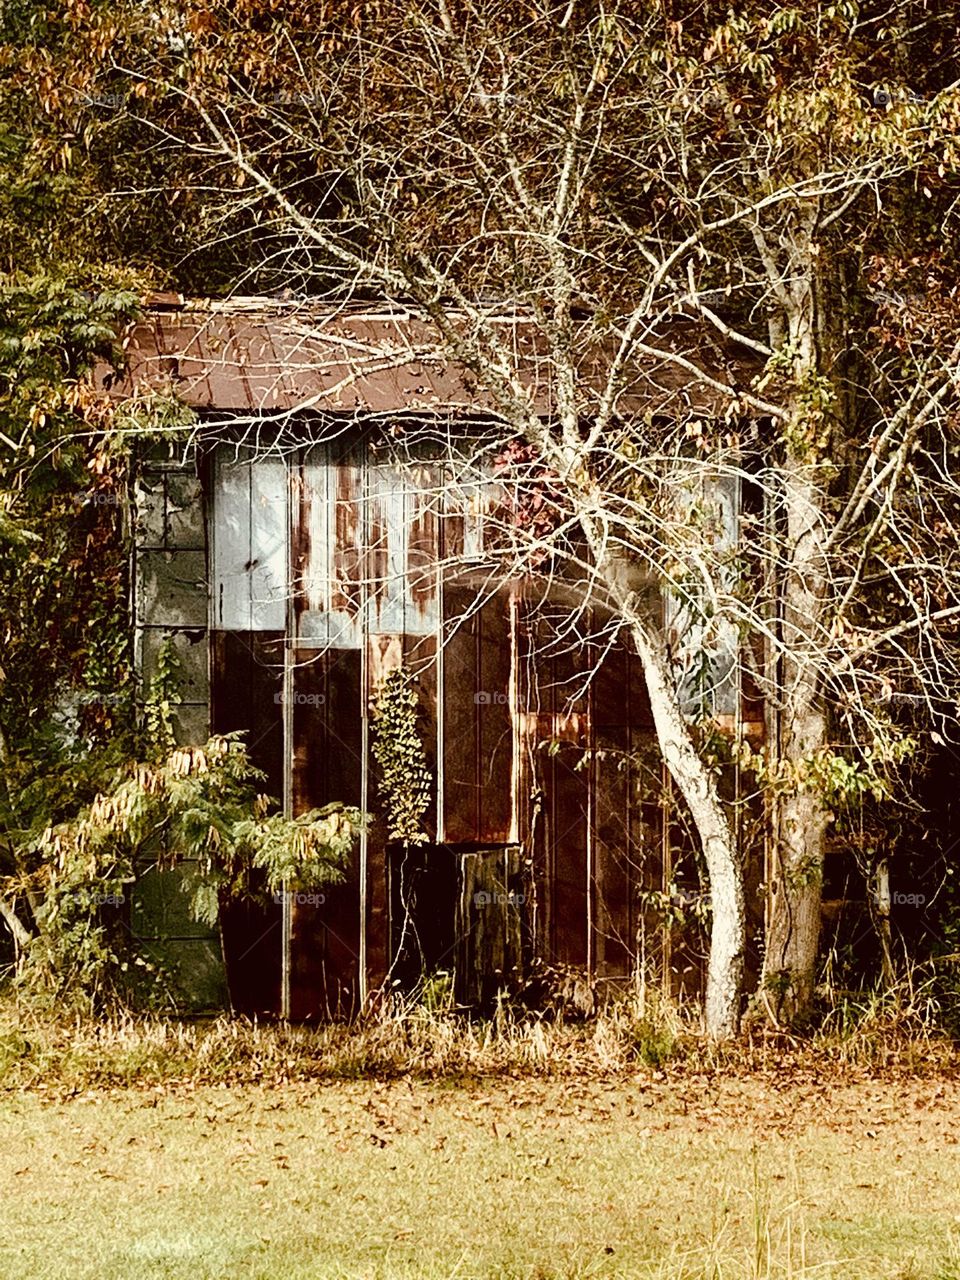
(261, 355)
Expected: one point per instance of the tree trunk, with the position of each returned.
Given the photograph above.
(799, 818)
(879, 898)
(800, 822)
(698, 788)
(793, 928)
(21, 935)
(631, 596)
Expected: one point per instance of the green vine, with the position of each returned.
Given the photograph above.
(405, 780)
(835, 777)
(162, 697)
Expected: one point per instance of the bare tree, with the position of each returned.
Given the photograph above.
(675, 214)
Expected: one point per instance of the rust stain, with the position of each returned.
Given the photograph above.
(422, 547)
(377, 553)
(300, 541)
(454, 530)
(554, 726)
(256, 353)
(384, 655)
(345, 592)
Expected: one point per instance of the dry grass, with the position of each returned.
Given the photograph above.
(734, 1179)
(417, 1143)
(415, 1039)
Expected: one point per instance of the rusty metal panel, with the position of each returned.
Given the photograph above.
(616, 869)
(403, 548)
(626, 844)
(567, 800)
(470, 528)
(422, 550)
(246, 693)
(495, 723)
(365, 549)
(593, 843)
(461, 684)
(230, 544)
(387, 546)
(326, 715)
(268, 544)
(182, 360)
(245, 353)
(258, 354)
(479, 727)
(329, 548)
(249, 543)
(556, 734)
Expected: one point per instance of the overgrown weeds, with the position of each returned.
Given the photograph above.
(428, 1038)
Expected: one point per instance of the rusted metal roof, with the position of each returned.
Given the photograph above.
(260, 355)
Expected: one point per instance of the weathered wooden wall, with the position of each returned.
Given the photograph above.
(326, 569)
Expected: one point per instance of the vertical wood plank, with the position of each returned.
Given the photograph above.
(461, 687)
(267, 565)
(327, 767)
(246, 691)
(249, 537)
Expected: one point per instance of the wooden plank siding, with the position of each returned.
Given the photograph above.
(327, 714)
(328, 571)
(246, 690)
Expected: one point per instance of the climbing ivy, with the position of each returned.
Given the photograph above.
(404, 779)
(162, 696)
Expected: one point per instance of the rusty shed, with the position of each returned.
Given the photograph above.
(292, 573)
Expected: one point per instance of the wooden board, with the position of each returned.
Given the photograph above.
(327, 767)
(479, 748)
(493, 900)
(246, 689)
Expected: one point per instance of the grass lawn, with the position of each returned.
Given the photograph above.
(729, 1176)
